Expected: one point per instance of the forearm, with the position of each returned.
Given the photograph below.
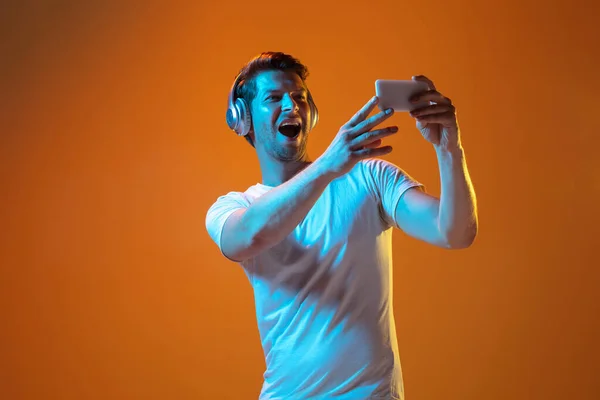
(274, 215)
(458, 204)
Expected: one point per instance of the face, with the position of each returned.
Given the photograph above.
(280, 115)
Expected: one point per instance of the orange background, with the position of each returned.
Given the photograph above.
(113, 144)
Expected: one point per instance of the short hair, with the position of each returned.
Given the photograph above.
(265, 61)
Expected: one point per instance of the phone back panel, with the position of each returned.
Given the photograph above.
(396, 94)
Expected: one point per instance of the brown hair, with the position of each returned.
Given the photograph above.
(265, 61)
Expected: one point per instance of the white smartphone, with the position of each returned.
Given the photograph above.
(396, 94)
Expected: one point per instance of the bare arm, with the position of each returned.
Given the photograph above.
(449, 222)
(274, 215)
(458, 207)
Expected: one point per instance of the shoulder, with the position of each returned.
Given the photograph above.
(229, 202)
(378, 165)
(376, 169)
(386, 179)
(224, 206)
(230, 197)
(243, 199)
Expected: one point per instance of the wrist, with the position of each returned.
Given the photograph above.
(322, 170)
(450, 158)
(449, 151)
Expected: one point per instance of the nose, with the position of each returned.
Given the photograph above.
(288, 104)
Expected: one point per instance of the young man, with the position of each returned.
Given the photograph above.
(314, 238)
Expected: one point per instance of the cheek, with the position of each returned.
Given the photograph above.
(264, 127)
(306, 112)
(263, 117)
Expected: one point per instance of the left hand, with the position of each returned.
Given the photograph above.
(437, 122)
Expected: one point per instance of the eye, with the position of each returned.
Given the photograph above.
(274, 97)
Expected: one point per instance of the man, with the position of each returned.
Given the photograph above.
(314, 238)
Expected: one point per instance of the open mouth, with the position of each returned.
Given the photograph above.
(290, 129)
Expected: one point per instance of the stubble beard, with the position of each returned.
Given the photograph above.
(291, 153)
(287, 153)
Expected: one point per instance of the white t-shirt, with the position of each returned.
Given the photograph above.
(323, 295)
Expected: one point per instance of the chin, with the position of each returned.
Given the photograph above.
(290, 157)
(291, 154)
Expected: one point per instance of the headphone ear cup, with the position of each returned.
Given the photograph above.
(232, 117)
(238, 117)
(238, 114)
(314, 113)
(244, 118)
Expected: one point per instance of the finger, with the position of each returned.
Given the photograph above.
(371, 136)
(434, 109)
(447, 118)
(379, 151)
(423, 78)
(373, 144)
(364, 111)
(371, 122)
(431, 95)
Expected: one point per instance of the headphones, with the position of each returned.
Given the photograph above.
(238, 112)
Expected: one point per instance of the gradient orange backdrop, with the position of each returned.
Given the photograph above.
(113, 144)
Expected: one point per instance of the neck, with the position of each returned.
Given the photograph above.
(275, 172)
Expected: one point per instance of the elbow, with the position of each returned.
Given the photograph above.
(462, 240)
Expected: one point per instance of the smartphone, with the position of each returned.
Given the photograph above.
(396, 94)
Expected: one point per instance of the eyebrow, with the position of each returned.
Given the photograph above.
(269, 91)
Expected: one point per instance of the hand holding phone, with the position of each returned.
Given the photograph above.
(396, 94)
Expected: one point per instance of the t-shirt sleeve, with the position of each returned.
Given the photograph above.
(388, 182)
(218, 213)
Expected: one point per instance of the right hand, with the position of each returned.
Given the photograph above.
(356, 141)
